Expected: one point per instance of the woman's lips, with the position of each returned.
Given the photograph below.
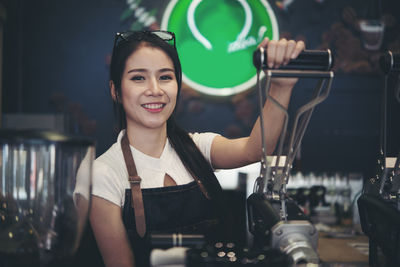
(154, 107)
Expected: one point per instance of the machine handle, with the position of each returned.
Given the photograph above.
(176, 240)
(320, 60)
(390, 62)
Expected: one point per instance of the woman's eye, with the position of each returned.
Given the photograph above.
(166, 77)
(137, 78)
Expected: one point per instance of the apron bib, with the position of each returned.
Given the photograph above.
(184, 209)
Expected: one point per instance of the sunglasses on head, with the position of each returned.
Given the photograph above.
(127, 36)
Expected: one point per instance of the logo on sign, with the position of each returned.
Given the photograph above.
(216, 41)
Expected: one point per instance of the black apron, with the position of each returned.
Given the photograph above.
(175, 209)
(183, 209)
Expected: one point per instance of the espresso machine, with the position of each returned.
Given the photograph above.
(45, 188)
(379, 205)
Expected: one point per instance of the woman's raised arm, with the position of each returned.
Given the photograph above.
(233, 153)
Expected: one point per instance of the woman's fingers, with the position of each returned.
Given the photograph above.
(300, 46)
(271, 51)
(280, 52)
(291, 44)
(263, 43)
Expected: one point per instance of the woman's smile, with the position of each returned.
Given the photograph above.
(154, 107)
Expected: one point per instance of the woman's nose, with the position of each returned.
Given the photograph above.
(155, 88)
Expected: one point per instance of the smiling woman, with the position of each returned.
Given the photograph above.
(148, 92)
(145, 81)
(157, 178)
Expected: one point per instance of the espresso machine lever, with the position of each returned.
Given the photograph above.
(274, 219)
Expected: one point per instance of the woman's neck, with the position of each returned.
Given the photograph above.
(148, 141)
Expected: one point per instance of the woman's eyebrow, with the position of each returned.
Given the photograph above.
(144, 70)
(166, 69)
(137, 70)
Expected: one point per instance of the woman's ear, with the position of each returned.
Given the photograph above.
(113, 92)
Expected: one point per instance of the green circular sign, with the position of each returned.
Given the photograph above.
(216, 41)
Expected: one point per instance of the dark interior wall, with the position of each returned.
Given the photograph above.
(55, 60)
(56, 56)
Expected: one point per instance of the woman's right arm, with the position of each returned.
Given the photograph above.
(110, 233)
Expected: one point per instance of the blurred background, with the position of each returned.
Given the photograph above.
(56, 54)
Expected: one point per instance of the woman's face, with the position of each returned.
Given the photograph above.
(149, 88)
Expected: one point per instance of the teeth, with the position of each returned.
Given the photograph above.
(153, 106)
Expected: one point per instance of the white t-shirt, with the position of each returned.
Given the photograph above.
(110, 176)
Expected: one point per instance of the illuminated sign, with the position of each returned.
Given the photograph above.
(216, 41)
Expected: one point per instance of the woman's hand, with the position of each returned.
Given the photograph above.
(280, 53)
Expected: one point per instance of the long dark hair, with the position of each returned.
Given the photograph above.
(180, 140)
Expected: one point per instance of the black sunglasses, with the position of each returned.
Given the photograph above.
(138, 35)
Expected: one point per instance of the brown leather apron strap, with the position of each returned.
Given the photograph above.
(198, 181)
(136, 192)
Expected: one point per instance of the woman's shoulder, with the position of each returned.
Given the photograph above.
(203, 142)
(109, 175)
(205, 136)
(112, 155)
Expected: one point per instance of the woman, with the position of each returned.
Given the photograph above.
(175, 189)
